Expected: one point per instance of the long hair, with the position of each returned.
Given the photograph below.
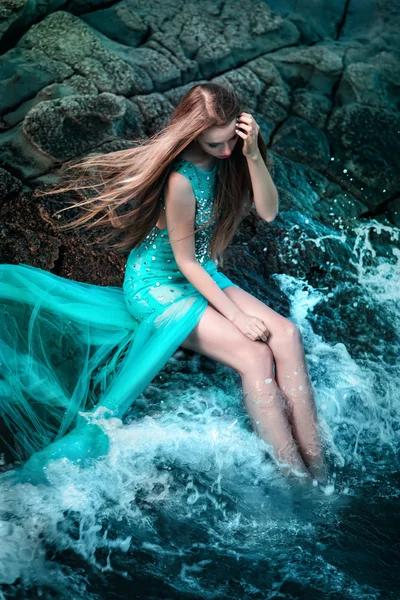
(131, 181)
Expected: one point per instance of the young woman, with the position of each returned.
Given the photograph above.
(191, 184)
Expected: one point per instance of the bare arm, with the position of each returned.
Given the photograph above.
(180, 205)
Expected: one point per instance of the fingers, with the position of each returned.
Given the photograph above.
(252, 336)
(245, 116)
(261, 334)
(260, 330)
(247, 122)
(245, 126)
(263, 330)
(257, 330)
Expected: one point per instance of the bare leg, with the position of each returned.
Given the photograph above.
(293, 379)
(270, 418)
(291, 376)
(216, 337)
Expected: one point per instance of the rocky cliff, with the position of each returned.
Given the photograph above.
(321, 80)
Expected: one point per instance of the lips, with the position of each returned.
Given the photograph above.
(225, 156)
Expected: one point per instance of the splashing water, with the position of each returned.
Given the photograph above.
(185, 505)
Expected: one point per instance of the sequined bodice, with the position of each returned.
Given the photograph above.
(203, 185)
(153, 282)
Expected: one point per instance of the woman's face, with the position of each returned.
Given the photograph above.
(219, 141)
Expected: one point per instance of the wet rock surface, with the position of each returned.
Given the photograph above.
(322, 83)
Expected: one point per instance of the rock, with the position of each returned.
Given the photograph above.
(311, 106)
(373, 23)
(9, 186)
(376, 83)
(315, 21)
(25, 236)
(68, 127)
(366, 151)
(82, 50)
(75, 85)
(393, 209)
(89, 264)
(246, 83)
(120, 22)
(297, 245)
(322, 83)
(10, 13)
(320, 66)
(298, 140)
(306, 189)
(24, 72)
(29, 235)
(58, 130)
(21, 156)
(16, 15)
(155, 109)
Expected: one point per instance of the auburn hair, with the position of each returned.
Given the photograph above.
(122, 190)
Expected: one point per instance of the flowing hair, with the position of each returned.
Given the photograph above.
(122, 190)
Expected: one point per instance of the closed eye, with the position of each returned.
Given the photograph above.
(218, 143)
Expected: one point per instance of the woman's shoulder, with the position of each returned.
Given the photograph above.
(179, 163)
(185, 168)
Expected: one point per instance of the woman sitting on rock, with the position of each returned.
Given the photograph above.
(68, 346)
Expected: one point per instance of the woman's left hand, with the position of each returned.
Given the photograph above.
(247, 128)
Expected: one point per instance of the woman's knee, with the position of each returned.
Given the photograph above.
(287, 336)
(253, 354)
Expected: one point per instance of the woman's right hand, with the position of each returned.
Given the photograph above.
(252, 327)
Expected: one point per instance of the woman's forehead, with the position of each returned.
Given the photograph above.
(217, 134)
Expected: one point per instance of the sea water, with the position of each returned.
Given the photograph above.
(185, 504)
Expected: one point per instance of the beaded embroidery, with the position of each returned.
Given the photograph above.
(203, 188)
(156, 250)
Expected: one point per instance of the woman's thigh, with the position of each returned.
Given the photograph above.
(218, 338)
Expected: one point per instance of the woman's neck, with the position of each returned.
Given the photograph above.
(203, 161)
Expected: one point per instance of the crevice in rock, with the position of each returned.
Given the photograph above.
(342, 21)
(73, 7)
(58, 263)
(380, 209)
(245, 63)
(220, 9)
(275, 131)
(272, 52)
(13, 171)
(15, 107)
(145, 38)
(335, 88)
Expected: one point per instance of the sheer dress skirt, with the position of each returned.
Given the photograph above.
(73, 354)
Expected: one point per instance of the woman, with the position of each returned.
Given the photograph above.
(192, 184)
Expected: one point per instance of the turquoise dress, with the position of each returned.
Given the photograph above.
(74, 354)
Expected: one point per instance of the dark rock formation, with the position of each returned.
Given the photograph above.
(84, 75)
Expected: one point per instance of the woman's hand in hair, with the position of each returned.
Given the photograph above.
(247, 129)
(252, 327)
